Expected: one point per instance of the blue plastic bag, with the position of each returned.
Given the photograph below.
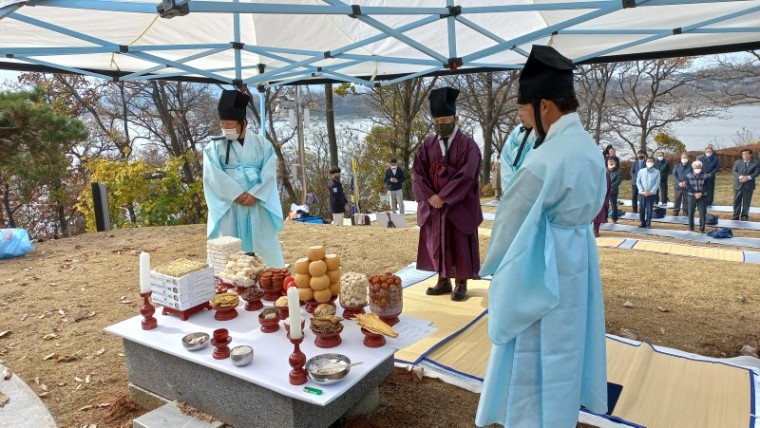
(721, 233)
(14, 243)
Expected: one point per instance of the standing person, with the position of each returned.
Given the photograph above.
(745, 171)
(338, 201)
(496, 177)
(545, 309)
(636, 166)
(663, 166)
(601, 218)
(696, 189)
(394, 179)
(710, 166)
(616, 177)
(609, 152)
(680, 180)
(240, 183)
(648, 181)
(446, 188)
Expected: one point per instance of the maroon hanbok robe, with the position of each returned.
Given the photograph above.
(601, 218)
(449, 235)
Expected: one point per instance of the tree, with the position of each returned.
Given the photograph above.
(740, 78)
(669, 144)
(330, 114)
(35, 172)
(593, 87)
(651, 95)
(490, 99)
(399, 108)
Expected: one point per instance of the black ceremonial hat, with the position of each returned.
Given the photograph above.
(443, 101)
(232, 105)
(546, 75)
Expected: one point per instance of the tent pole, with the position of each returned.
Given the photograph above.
(263, 114)
(301, 149)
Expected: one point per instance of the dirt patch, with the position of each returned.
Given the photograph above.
(43, 293)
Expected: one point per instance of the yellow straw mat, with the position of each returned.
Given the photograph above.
(447, 316)
(686, 250)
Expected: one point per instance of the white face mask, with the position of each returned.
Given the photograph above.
(650, 164)
(708, 154)
(684, 161)
(697, 171)
(659, 158)
(231, 134)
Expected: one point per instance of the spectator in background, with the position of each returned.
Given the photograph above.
(394, 179)
(496, 177)
(636, 166)
(609, 152)
(648, 181)
(663, 166)
(602, 216)
(745, 171)
(680, 180)
(696, 189)
(616, 177)
(710, 166)
(338, 201)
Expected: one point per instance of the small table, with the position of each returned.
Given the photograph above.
(259, 394)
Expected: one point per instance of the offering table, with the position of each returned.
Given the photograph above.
(257, 395)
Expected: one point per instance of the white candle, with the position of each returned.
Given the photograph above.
(294, 313)
(144, 272)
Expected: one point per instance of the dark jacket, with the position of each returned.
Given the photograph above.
(710, 165)
(664, 167)
(398, 176)
(697, 184)
(680, 172)
(616, 177)
(636, 166)
(338, 199)
(752, 170)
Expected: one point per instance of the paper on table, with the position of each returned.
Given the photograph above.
(410, 331)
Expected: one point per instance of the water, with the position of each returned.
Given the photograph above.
(721, 132)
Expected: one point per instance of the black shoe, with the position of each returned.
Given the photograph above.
(735, 218)
(691, 229)
(642, 225)
(675, 213)
(745, 218)
(443, 287)
(460, 291)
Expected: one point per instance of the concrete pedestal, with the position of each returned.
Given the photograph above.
(235, 401)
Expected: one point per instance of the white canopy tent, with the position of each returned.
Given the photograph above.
(374, 42)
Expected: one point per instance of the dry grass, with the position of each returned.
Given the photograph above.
(92, 273)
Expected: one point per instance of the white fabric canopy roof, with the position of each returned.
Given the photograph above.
(283, 41)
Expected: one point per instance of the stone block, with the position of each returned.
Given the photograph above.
(169, 416)
(235, 401)
(146, 399)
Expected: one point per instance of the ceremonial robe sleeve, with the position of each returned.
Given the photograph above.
(219, 189)
(521, 258)
(461, 183)
(266, 190)
(422, 186)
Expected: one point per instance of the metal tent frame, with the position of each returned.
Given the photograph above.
(595, 23)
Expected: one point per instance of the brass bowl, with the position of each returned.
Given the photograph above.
(315, 366)
(195, 341)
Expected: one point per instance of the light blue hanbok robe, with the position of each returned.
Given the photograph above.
(252, 168)
(509, 152)
(545, 309)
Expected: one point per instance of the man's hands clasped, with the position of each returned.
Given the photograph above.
(246, 199)
(436, 202)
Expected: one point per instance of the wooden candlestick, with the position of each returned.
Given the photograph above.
(147, 311)
(297, 360)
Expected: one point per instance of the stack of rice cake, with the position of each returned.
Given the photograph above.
(219, 250)
(182, 284)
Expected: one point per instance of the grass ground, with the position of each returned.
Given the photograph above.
(93, 278)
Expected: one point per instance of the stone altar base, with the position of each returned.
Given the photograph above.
(237, 402)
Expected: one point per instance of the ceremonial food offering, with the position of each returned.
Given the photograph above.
(371, 322)
(386, 297)
(195, 341)
(328, 368)
(353, 294)
(241, 355)
(317, 277)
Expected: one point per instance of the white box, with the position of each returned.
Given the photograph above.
(162, 300)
